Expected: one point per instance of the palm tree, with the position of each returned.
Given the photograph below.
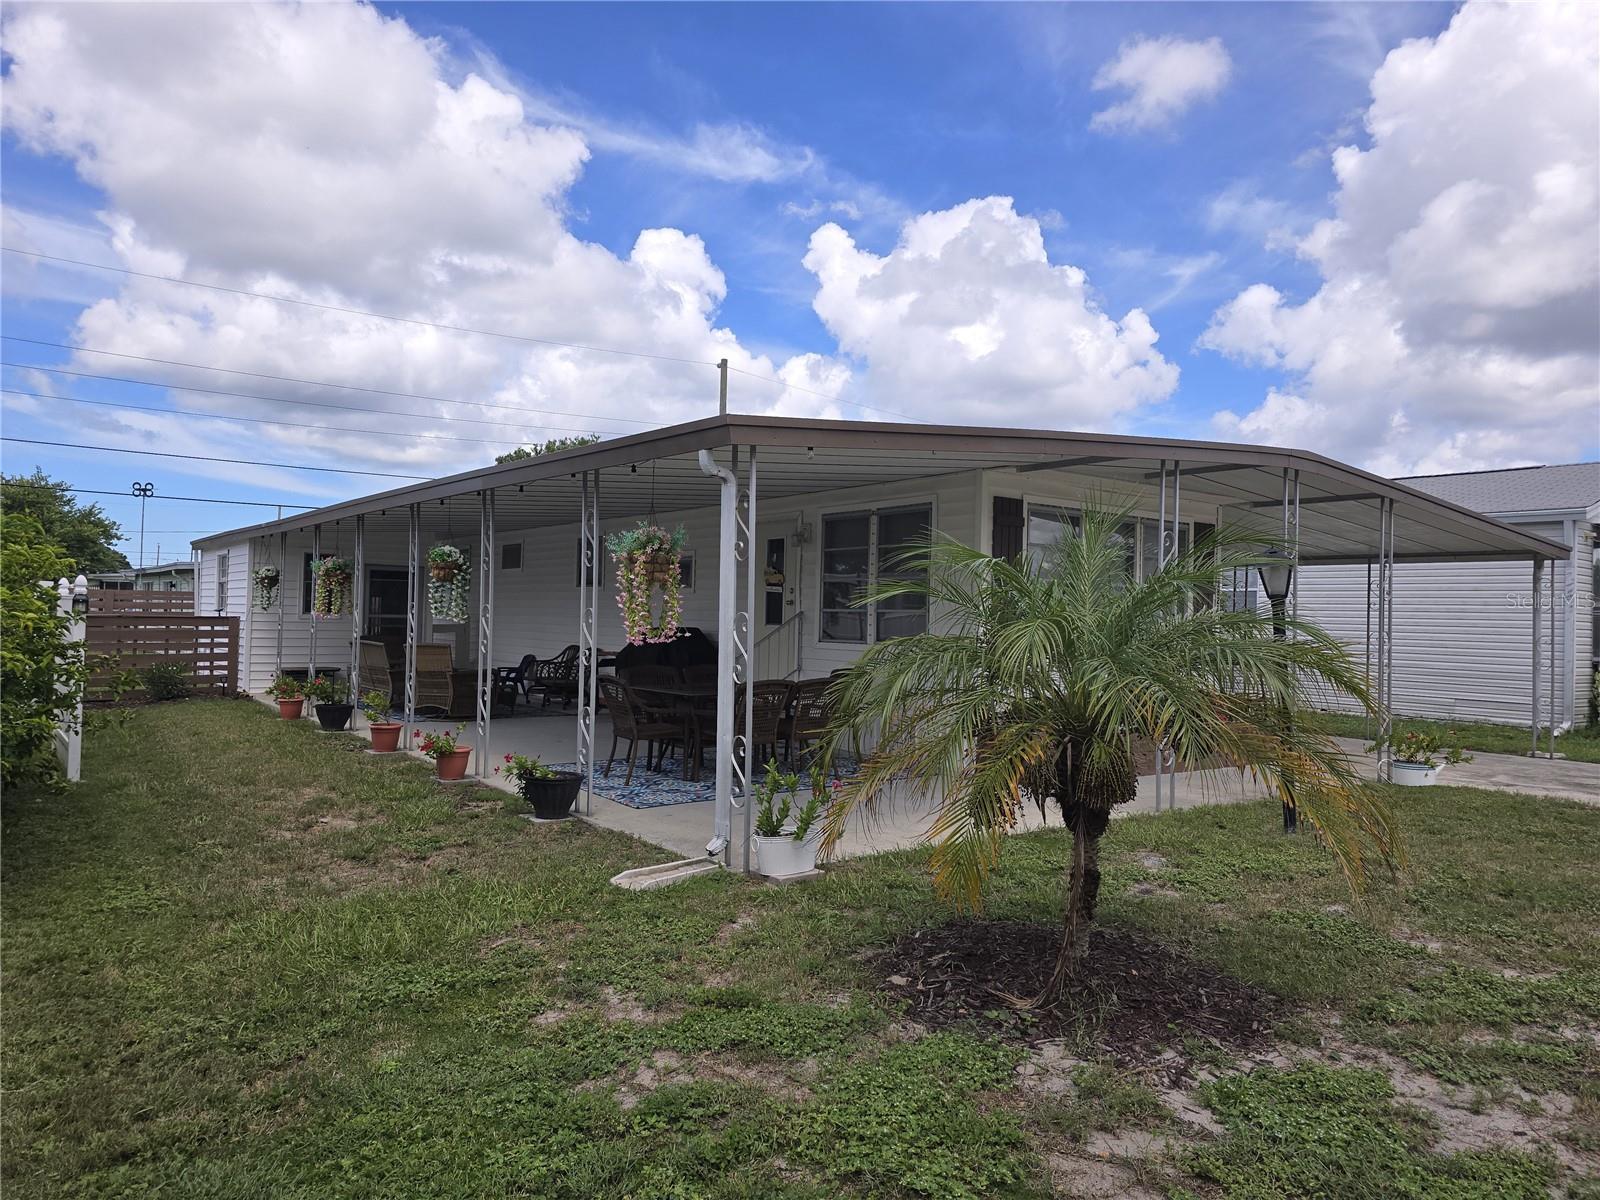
(1039, 681)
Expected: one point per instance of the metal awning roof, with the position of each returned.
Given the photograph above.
(658, 471)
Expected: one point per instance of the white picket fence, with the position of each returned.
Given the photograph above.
(69, 733)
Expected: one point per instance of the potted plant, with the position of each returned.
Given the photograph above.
(332, 708)
(291, 697)
(549, 792)
(647, 560)
(330, 590)
(449, 760)
(447, 584)
(1416, 756)
(265, 586)
(385, 733)
(786, 841)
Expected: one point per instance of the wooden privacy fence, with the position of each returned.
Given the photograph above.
(207, 647)
(111, 600)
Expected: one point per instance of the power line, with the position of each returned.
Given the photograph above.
(179, 412)
(242, 462)
(361, 312)
(187, 387)
(47, 487)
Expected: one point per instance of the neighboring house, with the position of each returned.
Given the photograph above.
(1463, 630)
(163, 577)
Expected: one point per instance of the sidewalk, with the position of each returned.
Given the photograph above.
(1558, 777)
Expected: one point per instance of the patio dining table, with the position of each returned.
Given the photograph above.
(683, 697)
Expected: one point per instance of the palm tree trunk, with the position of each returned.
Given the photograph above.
(1079, 909)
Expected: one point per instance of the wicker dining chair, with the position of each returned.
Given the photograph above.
(809, 715)
(769, 708)
(631, 722)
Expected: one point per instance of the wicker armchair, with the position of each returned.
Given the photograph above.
(435, 685)
(770, 708)
(373, 670)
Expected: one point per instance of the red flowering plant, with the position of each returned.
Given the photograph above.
(436, 744)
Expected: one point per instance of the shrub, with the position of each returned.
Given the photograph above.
(41, 678)
(167, 681)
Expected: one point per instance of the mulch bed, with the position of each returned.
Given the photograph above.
(1133, 998)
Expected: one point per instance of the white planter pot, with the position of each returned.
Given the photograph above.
(779, 856)
(1404, 774)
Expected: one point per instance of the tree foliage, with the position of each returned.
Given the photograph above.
(552, 446)
(1044, 682)
(84, 533)
(40, 681)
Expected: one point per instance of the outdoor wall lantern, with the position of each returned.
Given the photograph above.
(1277, 577)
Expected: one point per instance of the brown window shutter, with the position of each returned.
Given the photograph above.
(1006, 537)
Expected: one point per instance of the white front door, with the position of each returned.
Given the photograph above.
(777, 600)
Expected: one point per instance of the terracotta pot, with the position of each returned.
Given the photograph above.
(452, 765)
(292, 710)
(385, 737)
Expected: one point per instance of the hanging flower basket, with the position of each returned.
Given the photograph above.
(448, 581)
(647, 561)
(265, 582)
(330, 589)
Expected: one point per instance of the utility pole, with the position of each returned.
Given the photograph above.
(144, 491)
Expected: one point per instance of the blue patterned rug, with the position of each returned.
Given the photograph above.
(658, 789)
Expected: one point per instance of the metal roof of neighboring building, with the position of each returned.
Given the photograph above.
(657, 471)
(1569, 487)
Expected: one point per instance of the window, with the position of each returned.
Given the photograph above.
(686, 571)
(1150, 545)
(511, 556)
(222, 583)
(1048, 525)
(858, 550)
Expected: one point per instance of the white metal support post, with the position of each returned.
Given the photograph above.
(358, 609)
(744, 646)
(413, 573)
(283, 599)
(311, 620)
(1551, 569)
(1380, 695)
(727, 603)
(1538, 578)
(1161, 559)
(485, 710)
(1386, 642)
(588, 624)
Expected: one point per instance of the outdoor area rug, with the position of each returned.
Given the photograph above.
(657, 789)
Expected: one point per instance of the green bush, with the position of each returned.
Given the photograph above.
(167, 681)
(41, 677)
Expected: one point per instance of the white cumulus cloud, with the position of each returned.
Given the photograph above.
(1163, 77)
(968, 319)
(1457, 323)
(330, 153)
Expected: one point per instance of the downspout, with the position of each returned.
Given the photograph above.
(727, 600)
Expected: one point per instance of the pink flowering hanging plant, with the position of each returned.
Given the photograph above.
(647, 560)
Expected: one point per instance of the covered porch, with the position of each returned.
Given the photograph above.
(787, 521)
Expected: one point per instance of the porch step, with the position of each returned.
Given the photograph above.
(644, 879)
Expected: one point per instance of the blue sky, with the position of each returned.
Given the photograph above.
(744, 131)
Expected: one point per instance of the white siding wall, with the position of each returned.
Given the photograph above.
(236, 600)
(1463, 633)
(536, 607)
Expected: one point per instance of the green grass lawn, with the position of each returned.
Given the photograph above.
(1581, 744)
(245, 960)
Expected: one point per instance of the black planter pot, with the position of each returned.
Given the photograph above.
(551, 799)
(334, 717)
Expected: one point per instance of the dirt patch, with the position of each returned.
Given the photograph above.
(665, 1068)
(1094, 1179)
(317, 826)
(728, 932)
(1131, 993)
(1152, 891)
